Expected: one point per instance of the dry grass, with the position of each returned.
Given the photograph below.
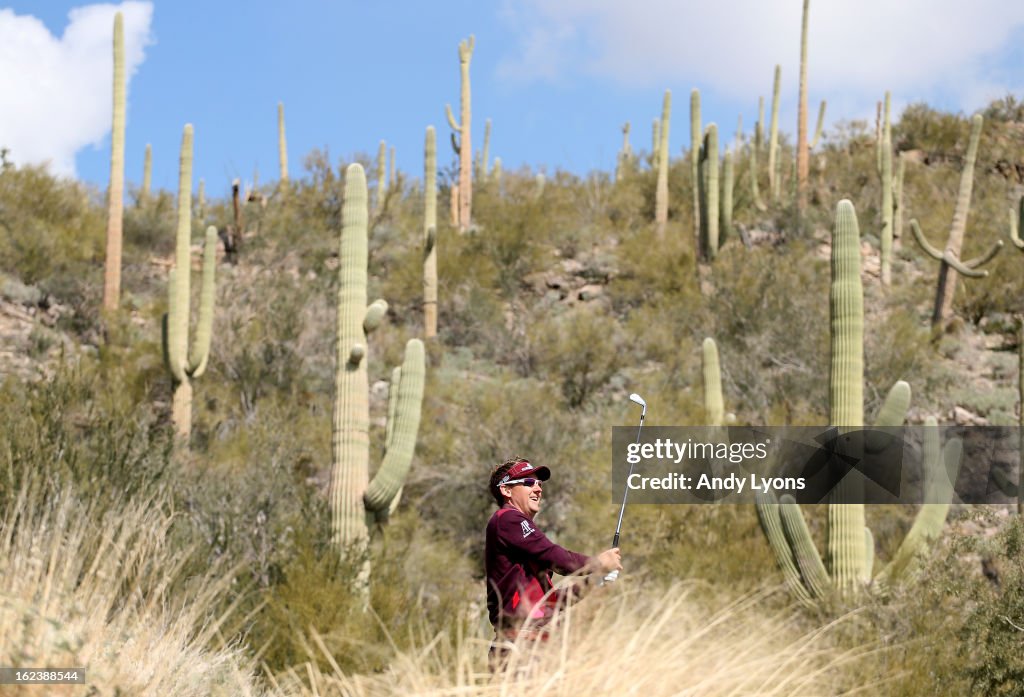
(78, 589)
(632, 642)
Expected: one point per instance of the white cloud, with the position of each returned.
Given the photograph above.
(919, 49)
(59, 91)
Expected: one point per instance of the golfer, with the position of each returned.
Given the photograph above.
(519, 560)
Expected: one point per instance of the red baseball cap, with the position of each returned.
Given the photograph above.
(524, 469)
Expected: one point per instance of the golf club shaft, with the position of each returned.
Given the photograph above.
(622, 509)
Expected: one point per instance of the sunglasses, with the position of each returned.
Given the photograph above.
(527, 482)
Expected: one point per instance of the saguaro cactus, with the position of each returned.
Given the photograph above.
(850, 558)
(655, 142)
(430, 235)
(950, 264)
(115, 204)
(183, 364)
(773, 137)
(897, 194)
(820, 126)
(696, 141)
(726, 203)
(464, 146)
(282, 145)
(885, 175)
(755, 147)
(147, 172)
(485, 154)
(382, 174)
(708, 184)
(661, 192)
(802, 153)
(356, 502)
(622, 163)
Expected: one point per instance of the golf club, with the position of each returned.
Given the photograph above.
(618, 526)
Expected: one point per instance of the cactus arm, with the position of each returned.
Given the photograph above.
(1015, 223)
(986, 257)
(207, 294)
(375, 314)
(714, 407)
(451, 118)
(930, 250)
(939, 473)
(696, 143)
(395, 467)
(771, 522)
(355, 356)
(894, 408)
(804, 552)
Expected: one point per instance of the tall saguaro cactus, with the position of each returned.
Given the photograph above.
(282, 145)
(464, 146)
(115, 206)
(885, 175)
(430, 235)
(356, 502)
(755, 148)
(696, 140)
(774, 183)
(661, 192)
(625, 155)
(850, 559)
(949, 258)
(714, 405)
(727, 197)
(183, 364)
(802, 153)
(147, 172)
(709, 188)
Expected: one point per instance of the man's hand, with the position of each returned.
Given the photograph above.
(608, 561)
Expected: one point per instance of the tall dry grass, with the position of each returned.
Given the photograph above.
(648, 642)
(104, 592)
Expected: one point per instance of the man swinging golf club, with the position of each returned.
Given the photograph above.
(519, 560)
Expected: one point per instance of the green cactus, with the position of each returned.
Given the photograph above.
(661, 192)
(464, 146)
(820, 125)
(356, 502)
(802, 151)
(774, 183)
(392, 169)
(709, 187)
(950, 264)
(496, 173)
(623, 162)
(738, 142)
(754, 149)
(115, 203)
(147, 173)
(201, 204)
(1016, 220)
(486, 153)
(184, 365)
(897, 195)
(850, 558)
(282, 146)
(885, 174)
(727, 195)
(714, 405)
(382, 174)
(430, 235)
(696, 131)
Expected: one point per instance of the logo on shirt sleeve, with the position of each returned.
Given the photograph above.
(526, 528)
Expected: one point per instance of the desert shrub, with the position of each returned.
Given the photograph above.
(921, 127)
(51, 225)
(580, 349)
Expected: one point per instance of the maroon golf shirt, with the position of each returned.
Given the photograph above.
(519, 560)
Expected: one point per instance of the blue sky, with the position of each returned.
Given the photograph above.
(558, 78)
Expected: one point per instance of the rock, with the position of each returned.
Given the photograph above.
(17, 292)
(963, 417)
(590, 292)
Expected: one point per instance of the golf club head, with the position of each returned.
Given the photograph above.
(639, 400)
